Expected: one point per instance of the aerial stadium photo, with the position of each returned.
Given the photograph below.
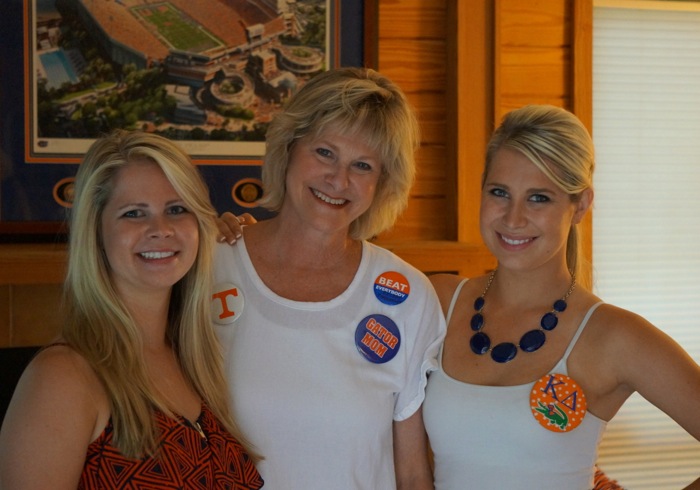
(200, 71)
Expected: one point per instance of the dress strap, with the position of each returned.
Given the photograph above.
(458, 289)
(583, 324)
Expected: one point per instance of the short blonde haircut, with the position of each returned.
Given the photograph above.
(359, 102)
(559, 145)
(99, 325)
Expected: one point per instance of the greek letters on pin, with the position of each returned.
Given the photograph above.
(558, 402)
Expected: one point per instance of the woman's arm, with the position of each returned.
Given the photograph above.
(52, 418)
(650, 362)
(411, 460)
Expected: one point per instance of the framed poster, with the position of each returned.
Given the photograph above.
(206, 73)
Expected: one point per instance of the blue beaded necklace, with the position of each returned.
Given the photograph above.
(531, 341)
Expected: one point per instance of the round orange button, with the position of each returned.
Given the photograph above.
(558, 402)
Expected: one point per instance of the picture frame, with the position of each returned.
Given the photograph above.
(40, 154)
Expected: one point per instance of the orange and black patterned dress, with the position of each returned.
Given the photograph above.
(185, 460)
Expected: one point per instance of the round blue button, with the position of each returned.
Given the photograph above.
(378, 338)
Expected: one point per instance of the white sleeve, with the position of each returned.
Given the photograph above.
(425, 332)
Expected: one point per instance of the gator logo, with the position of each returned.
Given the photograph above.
(554, 414)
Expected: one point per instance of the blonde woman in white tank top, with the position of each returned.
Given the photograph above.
(533, 364)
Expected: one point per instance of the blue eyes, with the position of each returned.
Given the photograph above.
(172, 210)
(177, 210)
(538, 198)
(360, 165)
(134, 213)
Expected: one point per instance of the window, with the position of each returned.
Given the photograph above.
(646, 221)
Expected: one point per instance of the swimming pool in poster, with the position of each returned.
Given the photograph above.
(58, 68)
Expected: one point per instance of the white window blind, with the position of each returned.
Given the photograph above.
(646, 218)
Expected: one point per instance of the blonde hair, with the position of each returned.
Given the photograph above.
(560, 146)
(99, 325)
(360, 102)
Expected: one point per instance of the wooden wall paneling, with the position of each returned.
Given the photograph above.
(425, 217)
(412, 53)
(465, 80)
(582, 104)
(37, 315)
(533, 54)
(470, 119)
(534, 23)
(32, 263)
(431, 175)
(582, 76)
(413, 43)
(412, 19)
(529, 75)
(5, 315)
(431, 109)
(371, 33)
(417, 66)
(31, 278)
(498, 13)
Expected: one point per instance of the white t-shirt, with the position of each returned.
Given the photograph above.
(316, 386)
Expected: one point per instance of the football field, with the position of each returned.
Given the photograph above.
(175, 28)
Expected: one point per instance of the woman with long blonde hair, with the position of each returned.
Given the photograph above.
(133, 392)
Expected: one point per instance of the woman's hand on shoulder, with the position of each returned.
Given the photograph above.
(51, 420)
(231, 226)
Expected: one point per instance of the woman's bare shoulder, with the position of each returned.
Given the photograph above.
(446, 284)
(58, 371)
(620, 324)
(56, 410)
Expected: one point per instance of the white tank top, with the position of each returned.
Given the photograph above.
(485, 437)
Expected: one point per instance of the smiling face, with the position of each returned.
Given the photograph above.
(331, 180)
(149, 237)
(525, 218)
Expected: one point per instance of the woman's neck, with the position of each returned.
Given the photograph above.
(293, 247)
(302, 267)
(150, 313)
(530, 287)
